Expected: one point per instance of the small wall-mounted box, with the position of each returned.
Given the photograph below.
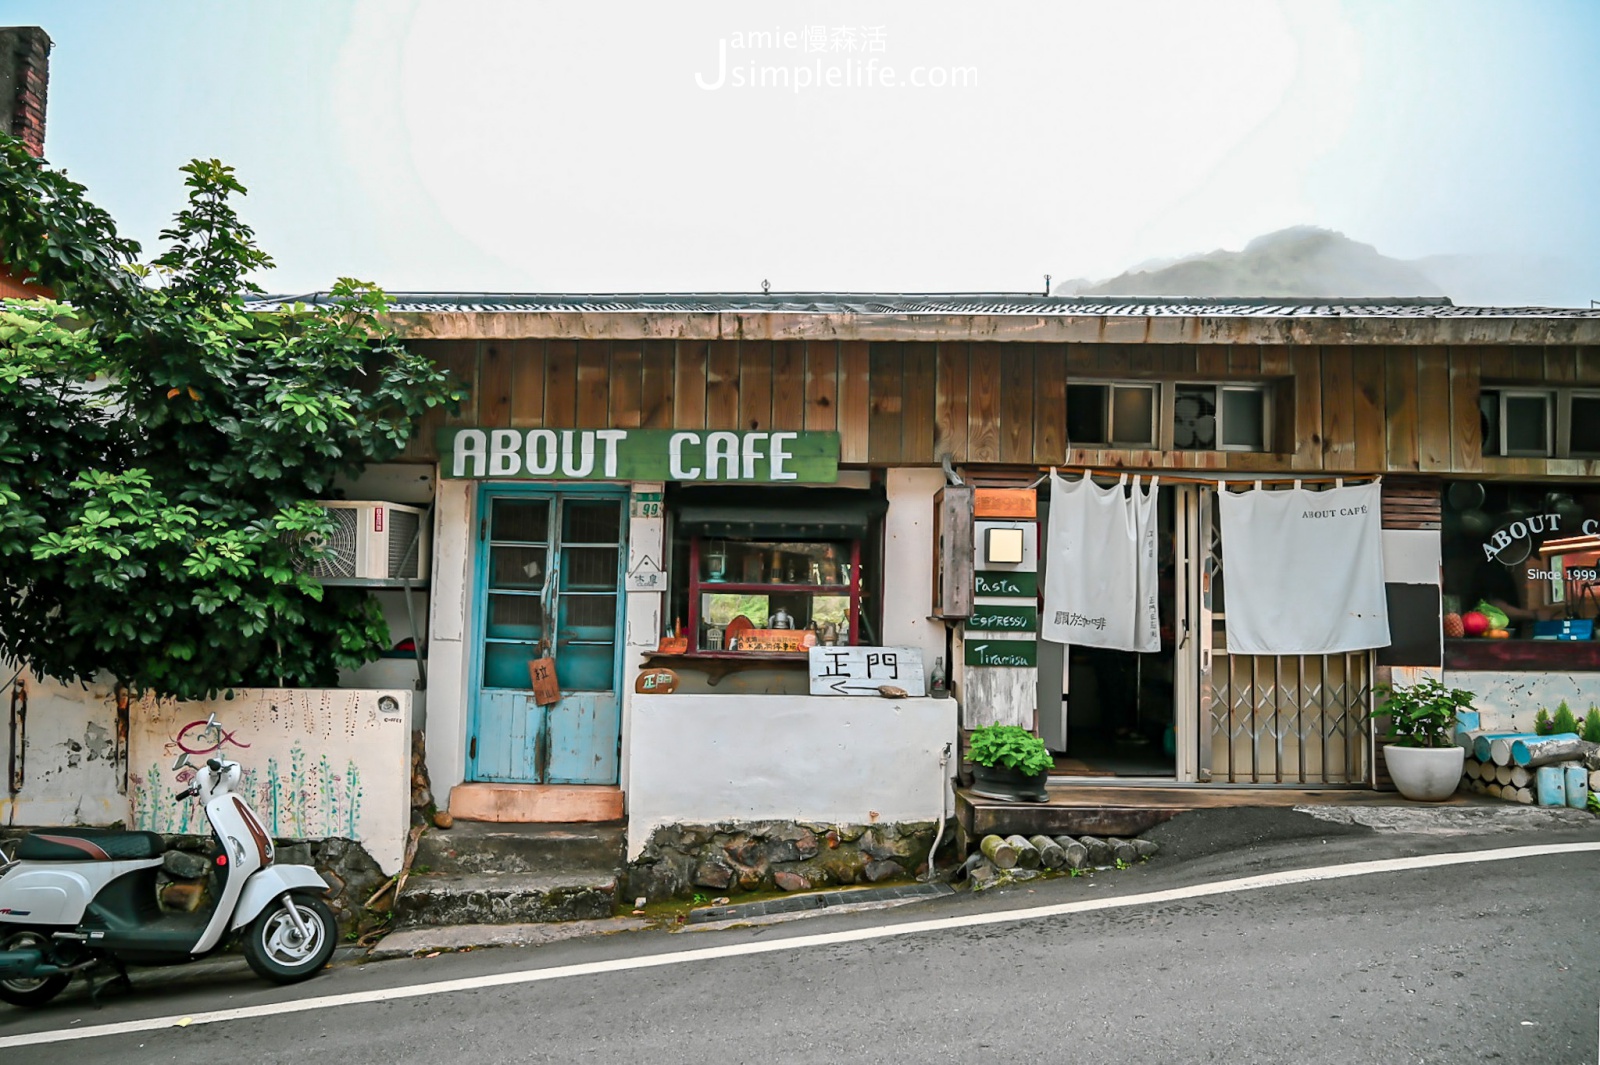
(1003, 544)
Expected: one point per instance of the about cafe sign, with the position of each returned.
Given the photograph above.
(640, 455)
(1532, 526)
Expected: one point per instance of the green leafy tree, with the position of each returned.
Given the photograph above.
(161, 438)
(1591, 725)
(1541, 723)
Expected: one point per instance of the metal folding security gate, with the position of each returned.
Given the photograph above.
(1292, 720)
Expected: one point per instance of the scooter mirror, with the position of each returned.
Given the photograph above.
(182, 762)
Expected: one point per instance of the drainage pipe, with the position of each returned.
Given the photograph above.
(938, 835)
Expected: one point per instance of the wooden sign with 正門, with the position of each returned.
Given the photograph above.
(546, 689)
(656, 681)
(863, 670)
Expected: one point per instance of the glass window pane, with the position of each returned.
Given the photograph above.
(505, 665)
(1243, 418)
(515, 617)
(1489, 421)
(597, 521)
(588, 617)
(1086, 414)
(1585, 425)
(586, 667)
(516, 567)
(1133, 416)
(1194, 418)
(588, 568)
(1527, 419)
(521, 520)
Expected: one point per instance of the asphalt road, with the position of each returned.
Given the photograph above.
(1495, 961)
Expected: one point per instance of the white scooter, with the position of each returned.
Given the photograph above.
(73, 899)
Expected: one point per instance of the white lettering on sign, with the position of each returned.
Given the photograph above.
(585, 457)
(609, 437)
(1534, 525)
(722, 457)
(780, 456)
(470, 445)
(505, 458)
(680, 472)
(541, 452)
(986, 657)
(862, 670)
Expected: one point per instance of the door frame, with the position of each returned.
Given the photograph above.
(487, 493)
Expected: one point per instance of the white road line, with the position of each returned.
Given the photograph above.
(825, 939)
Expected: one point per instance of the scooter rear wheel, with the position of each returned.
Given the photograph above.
(30, 992)
(276, 950)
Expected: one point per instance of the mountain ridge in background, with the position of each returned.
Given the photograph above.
(1303, 261)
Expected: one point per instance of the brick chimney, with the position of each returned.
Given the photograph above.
(24, 83)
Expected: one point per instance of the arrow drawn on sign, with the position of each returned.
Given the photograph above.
(841, 687)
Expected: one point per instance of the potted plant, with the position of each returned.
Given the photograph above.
(1423, 757)
(1009, 763)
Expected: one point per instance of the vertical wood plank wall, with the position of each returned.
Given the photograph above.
(1365, 409)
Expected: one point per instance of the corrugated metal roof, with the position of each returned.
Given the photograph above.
(952, 303)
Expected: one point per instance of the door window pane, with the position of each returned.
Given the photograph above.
(1527, 421)
(1133, 416)
(588, 617)
(597, 521)
(1086, 414)
(1194, 418)
(1585, 425)
(521, 520)
(1489, 420)
(588, 568)
(1243, 420)
(586, 667)
(515, 617)
(505, 665)
(517, 567)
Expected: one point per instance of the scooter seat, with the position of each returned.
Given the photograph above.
(88, 845)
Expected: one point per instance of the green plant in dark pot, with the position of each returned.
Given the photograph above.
(1009, 763)
(1422, 754)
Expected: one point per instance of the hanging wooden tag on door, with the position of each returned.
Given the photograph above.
(546, 689)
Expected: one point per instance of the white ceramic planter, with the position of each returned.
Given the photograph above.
(1425, 774)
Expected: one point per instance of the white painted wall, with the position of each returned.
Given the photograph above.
(448, 657)
(70, 774)
(699, 759)
(317, 762)
(1411, 556)
(908, 565)
(1511, 701)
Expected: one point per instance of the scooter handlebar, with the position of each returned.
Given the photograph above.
(184, 794)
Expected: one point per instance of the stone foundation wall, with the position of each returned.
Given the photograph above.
(728, 858)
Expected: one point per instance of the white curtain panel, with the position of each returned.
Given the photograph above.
(1101, 583)
(1303, 571)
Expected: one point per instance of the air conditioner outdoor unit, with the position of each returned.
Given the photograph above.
(374, 541)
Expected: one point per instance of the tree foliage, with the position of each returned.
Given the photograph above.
(161, 438)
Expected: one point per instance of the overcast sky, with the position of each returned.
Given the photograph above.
(458, 145)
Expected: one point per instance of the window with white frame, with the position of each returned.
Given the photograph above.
(1540, 422)
(1180, 416)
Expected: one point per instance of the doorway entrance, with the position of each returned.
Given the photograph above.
(549, 575)
(1117, 710)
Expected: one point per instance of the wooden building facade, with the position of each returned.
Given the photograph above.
(1474, 419)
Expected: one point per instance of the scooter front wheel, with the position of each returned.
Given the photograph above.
(278, 951)
(37, 992)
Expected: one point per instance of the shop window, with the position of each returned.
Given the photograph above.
(770, 573)
(1219, 418)
(1112, 414)
(1527, 556)
(1540, 423)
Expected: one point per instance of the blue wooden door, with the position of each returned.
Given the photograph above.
(549, 579)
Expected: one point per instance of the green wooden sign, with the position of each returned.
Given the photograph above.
(1004, 618)
(1002, 652)
(640, 455)
(1001, 582)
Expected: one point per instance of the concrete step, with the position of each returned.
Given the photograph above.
(506, 898)
(488, 847)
